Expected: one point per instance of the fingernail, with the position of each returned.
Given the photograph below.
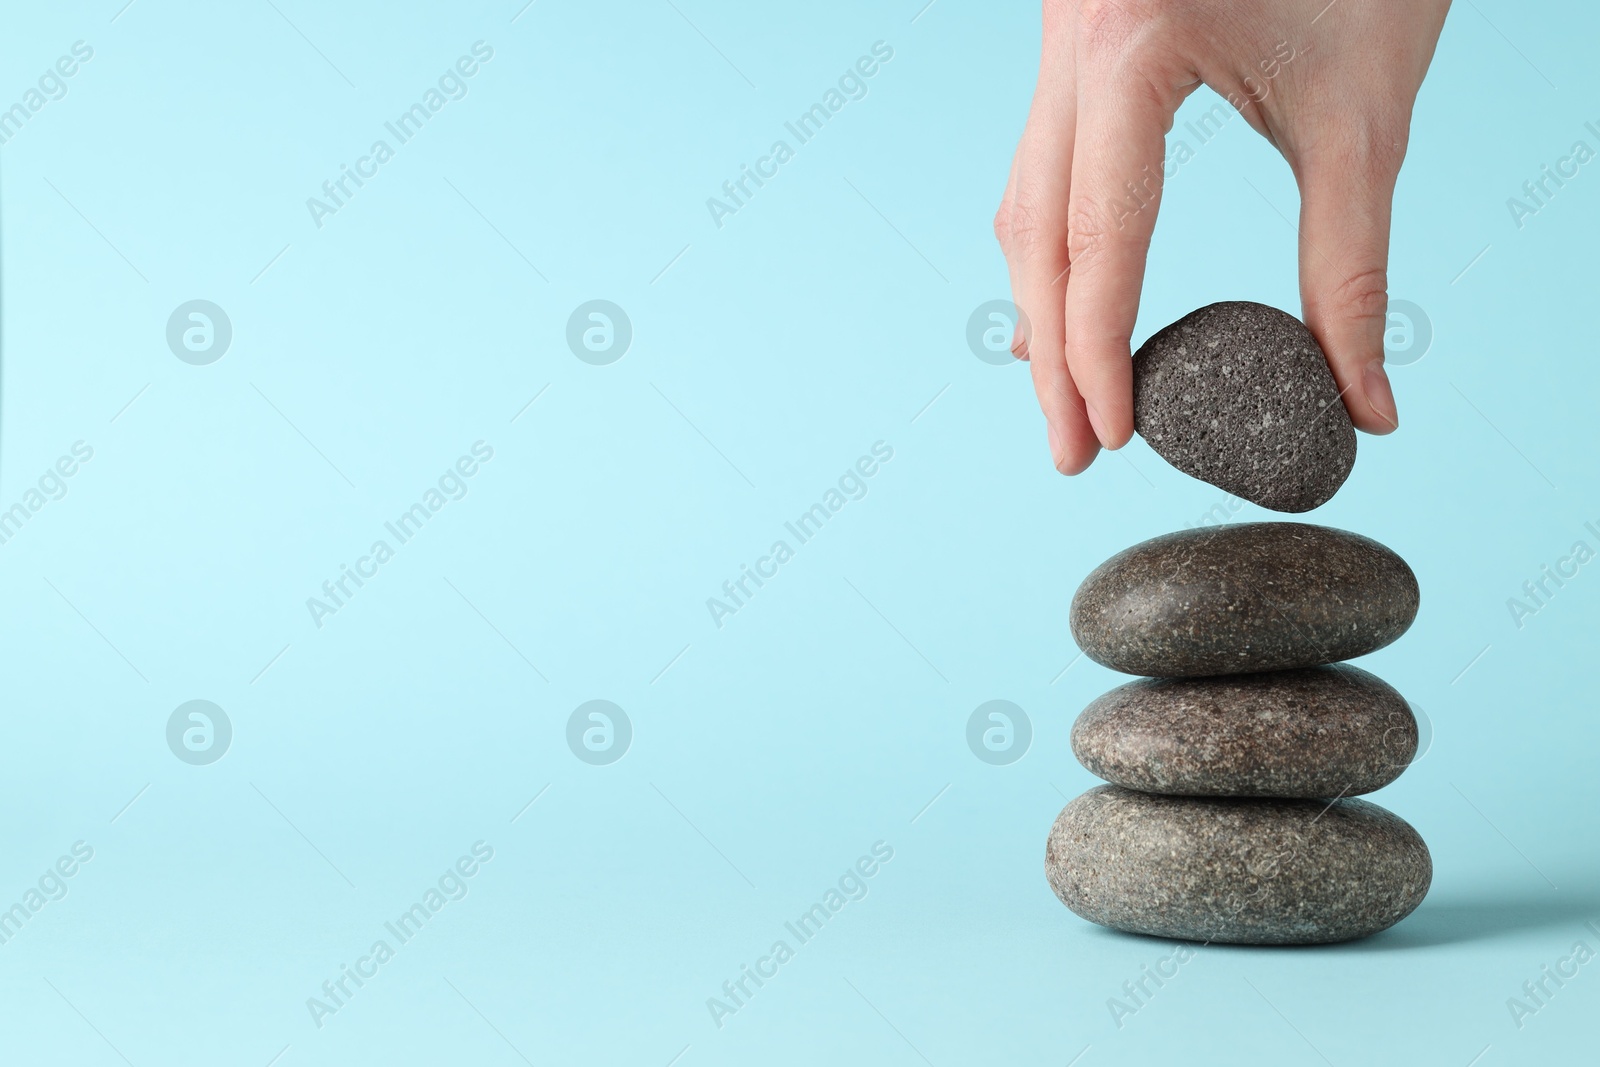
(1055, 445)
(1379, 394)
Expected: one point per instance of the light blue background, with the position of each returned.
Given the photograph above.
(768, 755)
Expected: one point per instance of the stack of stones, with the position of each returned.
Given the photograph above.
(1232, 764)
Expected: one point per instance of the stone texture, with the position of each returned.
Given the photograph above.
(1239, 395)
(1236, 870)
(1236, 599)
(1319, 732)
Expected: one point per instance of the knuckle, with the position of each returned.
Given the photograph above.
(1364, 295)
(1105, 18)
(1024, 230)
(1370, 146)
(1087, 234)
(1113, 24)
(1002, 225)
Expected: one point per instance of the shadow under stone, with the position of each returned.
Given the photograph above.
(1496, 915)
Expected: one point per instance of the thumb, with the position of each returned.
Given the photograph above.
(1346, 199)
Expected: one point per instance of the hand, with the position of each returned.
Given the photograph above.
(1330, 85)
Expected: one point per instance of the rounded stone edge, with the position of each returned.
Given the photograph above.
(1107, 657)
(1110, 703)
(1294, 503)
(1086, 804)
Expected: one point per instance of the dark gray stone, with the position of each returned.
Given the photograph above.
(1261, 596)
(1319, 732)
(1239, 395)
(1238, 871)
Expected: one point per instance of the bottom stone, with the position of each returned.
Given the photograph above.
(1249, 871)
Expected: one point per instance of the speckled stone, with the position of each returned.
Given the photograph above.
(1239, 395)
(1259, 596)
(1236, 870)
(1319, 732)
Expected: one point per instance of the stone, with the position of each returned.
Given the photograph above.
(1240, 395)
(1236, 870)
(1318, 732)
(1241, 598)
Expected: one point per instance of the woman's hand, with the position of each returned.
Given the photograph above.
(1331, 85)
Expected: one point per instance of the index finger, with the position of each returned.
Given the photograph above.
(1116, 192)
